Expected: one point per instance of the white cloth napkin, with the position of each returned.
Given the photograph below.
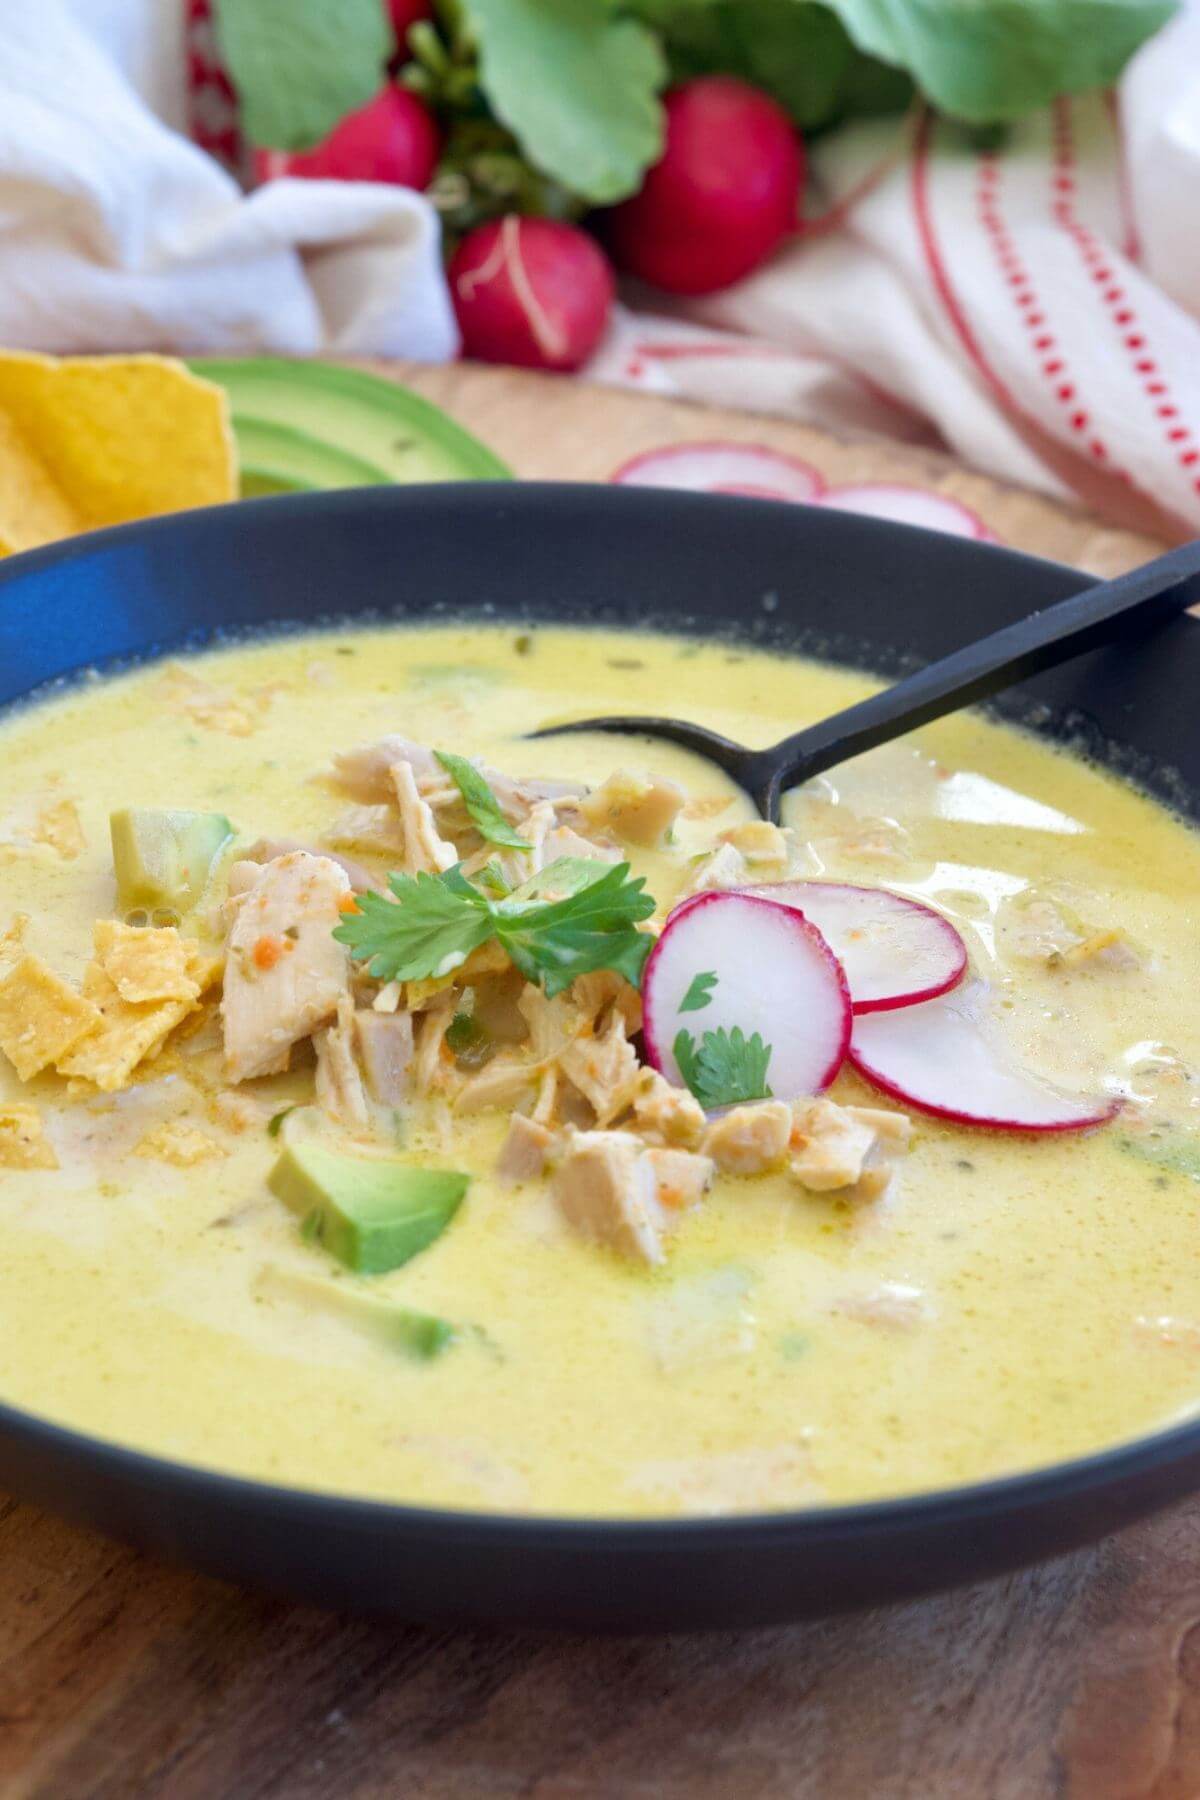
(117, 233)
(1037, 306)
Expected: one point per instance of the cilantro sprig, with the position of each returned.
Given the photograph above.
(699, 994)
(481, 803)
(577, 915)
(727, 1068)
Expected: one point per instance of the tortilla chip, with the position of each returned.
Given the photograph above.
(87, 441)
(128, 1033)
(145, 962)
(23, 1142)
(41, 1018)
(11, 942)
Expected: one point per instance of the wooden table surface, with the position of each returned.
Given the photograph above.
(120, 1677)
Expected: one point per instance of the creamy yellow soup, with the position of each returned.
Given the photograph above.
(1006, 1302)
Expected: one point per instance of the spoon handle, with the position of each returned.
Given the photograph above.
(1041, 641)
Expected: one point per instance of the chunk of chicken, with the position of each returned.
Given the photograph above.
(639, 808)
(604, 1069)
(375, 829)
(763, 847)
(749, 1140)
(286, 971)
(614, 1191)
(340, 1091)
(508, 1081)
(667, 1115)
(425, 850)
(433, 1065)
(893, 1306)
(525, 1151)
(268, 850)
(385, 1045)
(841, 1146)
(365, 774)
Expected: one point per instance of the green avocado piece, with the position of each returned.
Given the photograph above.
(373, 422)
(1173, 1151)
(372, 1215)
(164, 858)
(417, 1334)
(277, 459)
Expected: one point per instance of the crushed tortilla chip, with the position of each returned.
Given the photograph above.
(178, 1144)
(41, 1018)
(128, 1033)
(44, 821)
(11, 942)
(145, 962)
(205, 967)
(23, 1141)
(87, 441)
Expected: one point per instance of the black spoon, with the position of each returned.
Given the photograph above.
(1096, 616)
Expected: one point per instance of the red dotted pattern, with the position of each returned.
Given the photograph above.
(1051, 358)
(1095, 258)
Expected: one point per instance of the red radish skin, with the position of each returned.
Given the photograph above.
(775, 975)
(404, 14)
(939, 1058)
(894, 951)
(723, 196)
(532, 292)
(709, 467)
(909, 506)
(393, 138)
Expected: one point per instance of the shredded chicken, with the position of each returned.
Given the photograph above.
(433, 1066)
(841, 1147)
(268, 850)
(385, 1045)
(604, 1069)
(425, 850)
(340, 1091)
(614, 1191)
(749, 1140)
(285, 971)
(893, 1306)
(509, 1081)
(374, 829)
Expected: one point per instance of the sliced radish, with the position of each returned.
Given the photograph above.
(943, 1057)
(895, 952)
(775, 974)
(715, 468)
(908, 506)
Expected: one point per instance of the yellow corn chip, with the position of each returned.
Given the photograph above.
(205, 967)
(179, 1144)
(145, 962)
(10, 944)
(23, 1142)
(87, 441)
(41, 1018)
(128, 1033)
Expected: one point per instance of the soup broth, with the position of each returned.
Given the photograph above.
(1002, 1300)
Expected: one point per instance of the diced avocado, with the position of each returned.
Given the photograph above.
(349, 414)
(416, 1334)
(277, 459)
(163, 859)
(373, 1214)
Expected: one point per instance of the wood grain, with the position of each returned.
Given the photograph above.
(121, 1679)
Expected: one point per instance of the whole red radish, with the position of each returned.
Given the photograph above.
(533, 292)
(392, 138)
(724, 193)
(404, 14)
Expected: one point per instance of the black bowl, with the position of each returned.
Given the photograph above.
(879, 596)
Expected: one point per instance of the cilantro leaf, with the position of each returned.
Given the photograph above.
(301, 65)
(430, 928)
(576, 83)
(435, 922)
(481, 803)
(699, 994)
(727, 1069)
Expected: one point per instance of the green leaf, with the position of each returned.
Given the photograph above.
(699, 994)
(798, 52)
(301, 65)
(727, 1069)
(989, 60)
(429, 929)
(577, 915)
(577, 85)
(480, 802)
